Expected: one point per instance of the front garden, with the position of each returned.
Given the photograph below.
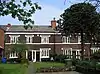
(13, 69)
(48, 66)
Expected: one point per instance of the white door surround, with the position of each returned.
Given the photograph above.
(44, 53)
(33, 55)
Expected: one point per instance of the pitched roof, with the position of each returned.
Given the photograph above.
(2, 28)
(34, 28)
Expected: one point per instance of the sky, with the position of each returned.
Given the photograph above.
(50, 9)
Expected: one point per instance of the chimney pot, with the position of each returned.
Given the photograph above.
(8, 26)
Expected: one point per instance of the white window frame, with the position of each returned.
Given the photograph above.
(44, 52)
(65, 39)
(29, 38)
(13, 55)
(94, 49)
(79, 39)
(66, 51)
(45, 37)
(14, 38)
(78, 54)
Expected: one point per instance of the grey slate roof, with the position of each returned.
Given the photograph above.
(35, 28)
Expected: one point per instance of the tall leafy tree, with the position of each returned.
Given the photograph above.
(80, 18)
(21, 10)
(20, 49)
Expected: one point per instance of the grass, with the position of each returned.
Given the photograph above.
(39, 65)
(12, 69)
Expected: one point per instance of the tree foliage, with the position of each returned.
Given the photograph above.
(20, 49)
(22, 11)
(96, 55)
(80, 18)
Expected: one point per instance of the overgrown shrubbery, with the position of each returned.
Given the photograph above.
(56, 58)
(98, 66)
(60, 58)
(45, 59)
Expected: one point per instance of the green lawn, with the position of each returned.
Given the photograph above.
(39, 65)
(12, 69)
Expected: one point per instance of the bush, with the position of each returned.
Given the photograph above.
(23, 61)
(97, 66)
(11, 60)
(68, 62)
(14, 60)
(45, 59)
(60, 58)
(75, 62)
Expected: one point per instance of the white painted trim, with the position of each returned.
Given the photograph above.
(46, 55)
(29, 38)
(47, 43)
(14, 38)
(32, 56)
(26, 54)
(29, 33)
(13, 57)
(95, 49)
(43, 37)
(38, 35)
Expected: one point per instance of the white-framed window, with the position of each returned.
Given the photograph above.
(67, 51)
(44, 52)
(29, 38)
(94, 49)
(78, 54)
(79, 39)
(14, 38)
(65, 39)
(44, 38)
(13, 55)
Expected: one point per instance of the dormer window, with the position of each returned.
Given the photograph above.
(44, 38)
(29, 38)
(14, 38)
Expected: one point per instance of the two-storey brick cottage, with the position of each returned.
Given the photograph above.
(43, 41)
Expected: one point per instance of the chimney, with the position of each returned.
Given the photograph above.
(53, 23)
(8, 26)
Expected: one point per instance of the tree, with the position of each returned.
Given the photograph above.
(22, 11)
(20, 49)
(80, 18)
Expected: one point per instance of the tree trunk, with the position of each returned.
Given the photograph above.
(82, 46)
(90, 47)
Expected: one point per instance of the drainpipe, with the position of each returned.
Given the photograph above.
(54, 52)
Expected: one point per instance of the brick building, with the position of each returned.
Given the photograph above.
(42, 41)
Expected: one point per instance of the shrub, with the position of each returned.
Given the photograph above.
(45, 59)
(23, 61)
(75, 62)
(60, 58)
(85, 64)
(97, 66)
(14, 60)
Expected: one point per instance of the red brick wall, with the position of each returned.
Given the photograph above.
(2, 38)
